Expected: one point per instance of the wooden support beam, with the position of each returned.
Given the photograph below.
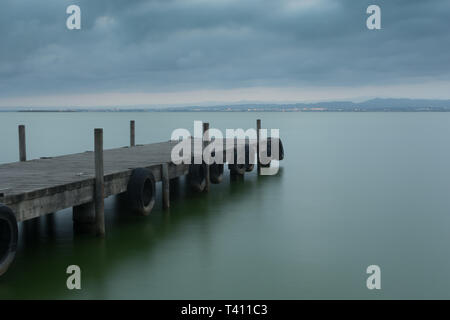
(22, 144)
(258, 128)
(99, 184)
(205, 142)
(132, 134)
(83, 217)
(165, 185)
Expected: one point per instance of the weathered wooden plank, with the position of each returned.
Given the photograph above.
(29, 209)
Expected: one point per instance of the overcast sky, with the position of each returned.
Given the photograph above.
(212, 51)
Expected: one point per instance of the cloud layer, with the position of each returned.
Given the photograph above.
(194, 45)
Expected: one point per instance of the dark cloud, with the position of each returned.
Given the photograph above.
(129, 46)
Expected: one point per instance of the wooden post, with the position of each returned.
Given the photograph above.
(165, 185)
(205, 141)
(22, 144)
(132, 134)
(99, 184)
(258, 128)
(84, 218)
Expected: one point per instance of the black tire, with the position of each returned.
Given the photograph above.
(141, 191)
(266, 165)
(280, 149)
(8, 238)
(197, 177)
(237, 169)
(216, 173)
(249, 164)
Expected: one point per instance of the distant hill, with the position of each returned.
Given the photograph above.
(387, 105)
(330, 106)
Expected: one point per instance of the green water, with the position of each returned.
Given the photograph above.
(355, 189)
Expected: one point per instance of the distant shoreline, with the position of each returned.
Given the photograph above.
(234, 111)
(373, 105)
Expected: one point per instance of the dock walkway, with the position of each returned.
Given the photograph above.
(30, 189)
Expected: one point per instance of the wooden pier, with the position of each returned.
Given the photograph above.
(30, 189)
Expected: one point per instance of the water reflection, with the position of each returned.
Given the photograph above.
(48, 244)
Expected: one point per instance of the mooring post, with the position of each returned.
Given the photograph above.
(258, 128)
(205, 142)
(132, 135)
(22, 144)
(99, 184)
(84, 218)
(165, 185)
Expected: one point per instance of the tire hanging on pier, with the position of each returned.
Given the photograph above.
(249, 157)
(269, 151)
(141, 191)
(8, 238)
(280, 149)
(237, 168)
(197, 176)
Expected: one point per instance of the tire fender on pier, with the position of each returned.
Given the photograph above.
(141, 191)
(8, 238)
(280, 149)
(237, 168)
(249, 157)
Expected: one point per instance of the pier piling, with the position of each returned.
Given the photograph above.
(132, 134)
(258, 128)
(165, 185)
(22, 144)
(99, 184)
(83, 217)
(205, 142)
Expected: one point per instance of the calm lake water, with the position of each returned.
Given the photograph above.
(355, 189)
